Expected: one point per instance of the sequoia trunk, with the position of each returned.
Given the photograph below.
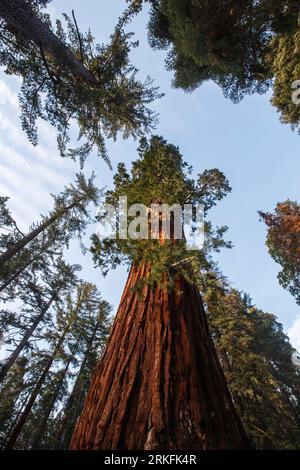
(159, 384)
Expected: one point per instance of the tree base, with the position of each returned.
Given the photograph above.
(159, 384)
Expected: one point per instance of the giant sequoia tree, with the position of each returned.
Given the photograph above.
(159, 384)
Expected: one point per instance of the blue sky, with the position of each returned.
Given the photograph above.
(259, 156)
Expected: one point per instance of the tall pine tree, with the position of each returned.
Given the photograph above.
(67, 77)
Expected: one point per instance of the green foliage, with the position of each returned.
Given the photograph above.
(11, 392)
(244, 47)
(117, 102)
(72, 335)
(283, 242)
(71, 210)
(256, 358)
(44, 318)
(68, 219)
(285, 61)
(160, 176)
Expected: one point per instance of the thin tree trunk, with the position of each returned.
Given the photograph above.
(15, 276)
(159, 384)
(21, 270)
(16, 247)
(11, 427)
(19, 15)
(74, 403)
(19, 426)
(72, 410)
(28, 333)
(40, 429)
(228, 372)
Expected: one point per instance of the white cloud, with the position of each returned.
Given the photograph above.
(7, 96)
(294, 334)
(28, 174)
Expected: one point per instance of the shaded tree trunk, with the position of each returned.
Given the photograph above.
(27, 335)
(16, 247)
(159, 384)
(23, 268)
(23, 21)
(15, 276)
(40, 429)
(75, 400)
(15, 420)
(73, 409)
(19, 426)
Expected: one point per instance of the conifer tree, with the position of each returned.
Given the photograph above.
(69, 217)
(256, 357)
(12, 393)
(66, 345)
(94, 334)
(243, 46)
(67, 77)
(159, 384)
(283, 242)
(283, 59)
(65, 320)
(33, 314)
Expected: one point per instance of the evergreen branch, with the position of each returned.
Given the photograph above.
(186, 260)
(79, 37)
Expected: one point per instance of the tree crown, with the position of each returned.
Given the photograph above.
(160, 176)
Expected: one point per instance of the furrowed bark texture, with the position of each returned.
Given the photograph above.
(159, 384)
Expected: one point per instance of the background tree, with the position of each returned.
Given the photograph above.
(33, 314)
(244, 47)
(74, 332)
(42, 366)
(66, 77)
(284, 59)
(87, 341)
(94, 333)
(56, 337)
(14, 390)
(69, 217)
(256, 358)
(283, 242)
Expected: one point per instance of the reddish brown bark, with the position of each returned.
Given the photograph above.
(159, 384)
